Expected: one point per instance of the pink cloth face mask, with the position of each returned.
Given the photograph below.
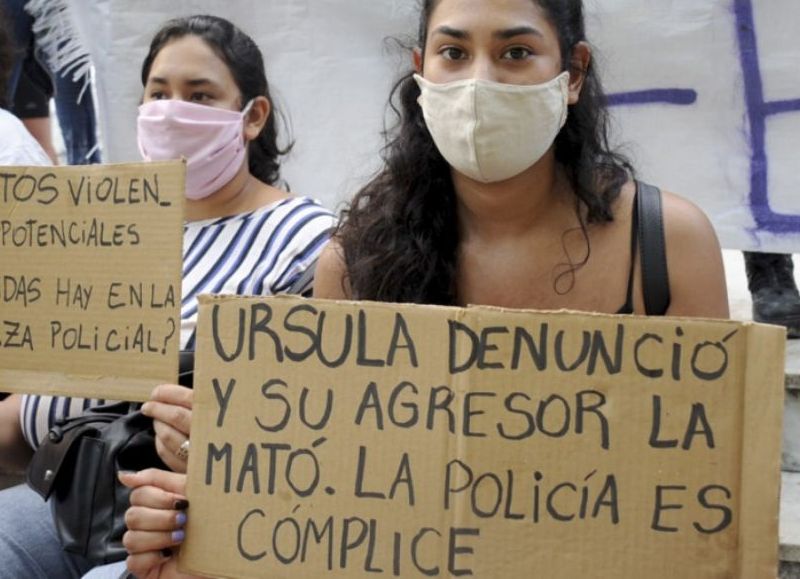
(211, 139)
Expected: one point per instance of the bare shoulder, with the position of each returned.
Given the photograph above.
(330, 278)
(694, 260)
(269, 195)
(690, 236)
(684, 217)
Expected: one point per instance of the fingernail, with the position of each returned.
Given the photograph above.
(181, 505)
(180, 518)
(178, 536)
(146, 407)
(122, 474)
(166, 553)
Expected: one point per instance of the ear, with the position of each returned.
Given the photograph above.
(258, 116)
(579, 64)
(417, 56)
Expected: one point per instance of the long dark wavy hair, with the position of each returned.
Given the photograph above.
(400, 233)
(243, 58)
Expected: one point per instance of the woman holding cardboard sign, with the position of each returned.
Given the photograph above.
(204, 79)
(508, 191)
(500, 189)
(207, 100)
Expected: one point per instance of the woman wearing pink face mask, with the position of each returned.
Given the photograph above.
(206, 99)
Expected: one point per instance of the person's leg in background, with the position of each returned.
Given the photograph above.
(21, 26)
(76, 118)
(31, 105)
(29, 85)
(776, 300)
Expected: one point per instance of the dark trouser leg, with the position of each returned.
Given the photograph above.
(21, 23)
(76, 117)
(770, 279)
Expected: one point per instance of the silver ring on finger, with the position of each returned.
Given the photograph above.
(183, 450)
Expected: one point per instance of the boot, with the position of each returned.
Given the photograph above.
(770, 279)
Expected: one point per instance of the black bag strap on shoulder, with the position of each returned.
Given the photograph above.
(652, 245)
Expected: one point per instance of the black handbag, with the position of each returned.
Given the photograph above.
(76, 469)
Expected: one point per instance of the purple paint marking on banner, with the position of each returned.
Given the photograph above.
(670, 96)
(758, 110)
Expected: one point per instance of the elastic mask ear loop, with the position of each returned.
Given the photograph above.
(245, 112)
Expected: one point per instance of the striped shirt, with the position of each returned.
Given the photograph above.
(263, 252)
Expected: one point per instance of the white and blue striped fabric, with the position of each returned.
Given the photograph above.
(264, 252)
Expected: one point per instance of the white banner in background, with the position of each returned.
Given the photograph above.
(706, 94)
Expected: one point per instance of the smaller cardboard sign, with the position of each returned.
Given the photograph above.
(340, 439)
(90, 278)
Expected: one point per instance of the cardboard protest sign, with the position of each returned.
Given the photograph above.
(90, 278)
(353, 439)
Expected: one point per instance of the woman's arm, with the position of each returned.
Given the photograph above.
(330, 280)
(694, 262)
(15, 453)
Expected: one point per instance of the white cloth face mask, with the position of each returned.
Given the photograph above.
(491, 131)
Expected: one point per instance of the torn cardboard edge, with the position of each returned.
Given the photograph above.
(96, 168)
(761, 471)
(205, 299)
(121, 388)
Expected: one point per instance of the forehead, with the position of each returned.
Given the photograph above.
(489, 14)
(190, 57)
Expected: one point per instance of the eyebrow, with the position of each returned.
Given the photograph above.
(193, 82)
(501, 34)
(454, 32)
(517, 31)
(200, 82)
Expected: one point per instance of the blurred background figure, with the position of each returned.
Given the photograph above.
(17, 146)
(770, 279)
(51, 62)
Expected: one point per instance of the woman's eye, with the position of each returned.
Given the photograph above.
(517, 53)
(452, 53)
(199, 97)
(157, 96)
